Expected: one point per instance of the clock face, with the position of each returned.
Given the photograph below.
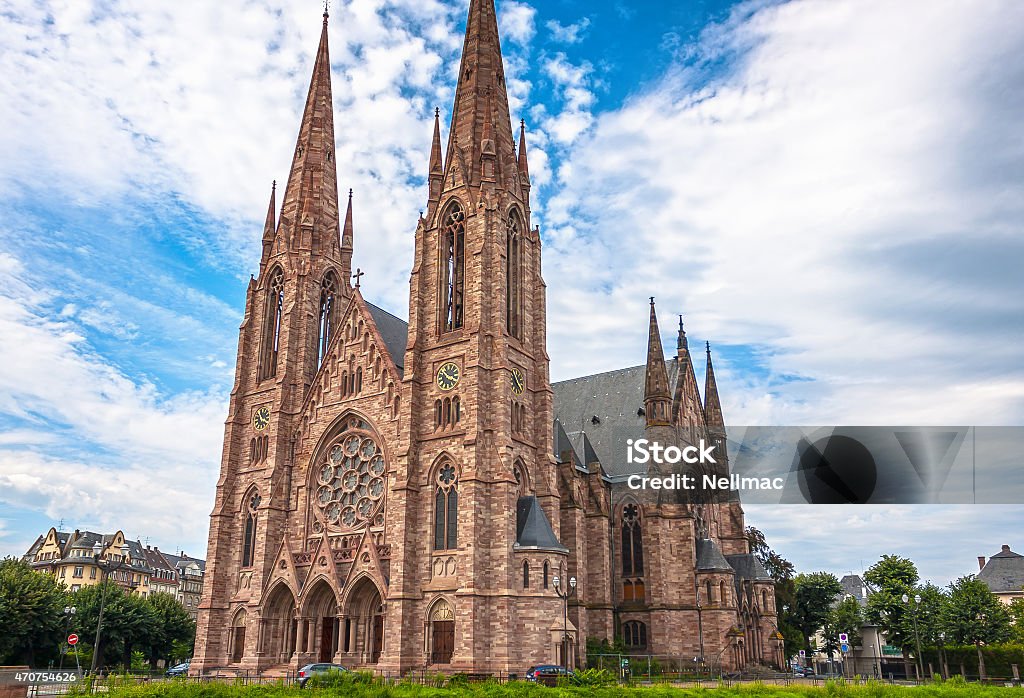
(261, 419)
(448, 376)
(518, 381)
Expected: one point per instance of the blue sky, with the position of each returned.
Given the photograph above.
(830, 191)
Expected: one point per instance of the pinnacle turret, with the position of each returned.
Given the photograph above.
(712, 403)
(657, 399)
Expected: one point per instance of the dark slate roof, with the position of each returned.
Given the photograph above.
(394, 331)
(614, 398)
(182, 561)
(854, 586)
(709, 556)
(747, 566)
(1004, 571)
(533, 530)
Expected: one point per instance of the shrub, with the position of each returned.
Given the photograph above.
(593, 678)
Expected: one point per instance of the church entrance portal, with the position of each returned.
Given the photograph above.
(364, 624)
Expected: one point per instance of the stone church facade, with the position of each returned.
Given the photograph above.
(402, 496)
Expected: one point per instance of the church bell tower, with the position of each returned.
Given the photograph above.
(476, 500)
(291, 309)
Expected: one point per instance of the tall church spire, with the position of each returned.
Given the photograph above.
(712, 404)
(311, 195)
(480, 120)
(657, 399)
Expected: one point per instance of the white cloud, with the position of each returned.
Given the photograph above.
(835, 184)
(572, 84)
(148, 453)
(568, 33)
(516, 21)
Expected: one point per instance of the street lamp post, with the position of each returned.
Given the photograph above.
(564, 596)
(917, 637)
(105, 569)
(942, 658)
(700, 629)
(69, 617)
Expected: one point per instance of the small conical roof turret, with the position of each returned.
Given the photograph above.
(657, 399)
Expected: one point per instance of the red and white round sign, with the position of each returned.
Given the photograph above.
(72, 639)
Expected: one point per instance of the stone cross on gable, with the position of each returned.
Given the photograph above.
(358, 276)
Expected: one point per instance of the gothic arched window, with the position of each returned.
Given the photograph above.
(721, 592)
(328, 314)
(272, 324)
(514, 275)
(546, 571)
(526, 575)
(446, 509)
(453, 265)
(252, 503)
(634, 633)
(632, 542)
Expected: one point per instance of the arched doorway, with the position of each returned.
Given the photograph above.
(362, 632)
(237, 637)
(279, 625)
(441, 630)
(321, 617)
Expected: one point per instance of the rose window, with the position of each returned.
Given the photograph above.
(350, 479)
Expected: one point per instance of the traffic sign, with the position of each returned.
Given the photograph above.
(843, 638)
(803, 653)
(844, 648)
(72, 639)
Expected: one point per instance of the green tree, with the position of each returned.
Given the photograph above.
(892, 577)
(1016, 610)
(173, 626)
(128, 622)
(847, 617)
(31, 614)
(782, 571)
(778, 567)
(974, 616)
(931, 613)
(815, 594)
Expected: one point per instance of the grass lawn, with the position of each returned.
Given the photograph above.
(361, 686)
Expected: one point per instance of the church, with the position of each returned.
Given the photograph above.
(405, 496)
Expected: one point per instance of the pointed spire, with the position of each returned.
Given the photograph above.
(524, 167)
(712, 404)
(312, 189)
(436, 166)
(481, 113)
(681, 343)
(347, 234)
(657, 399)
(270, 227)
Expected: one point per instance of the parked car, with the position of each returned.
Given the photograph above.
(307, 672)
(548, 673)
(179, 670)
